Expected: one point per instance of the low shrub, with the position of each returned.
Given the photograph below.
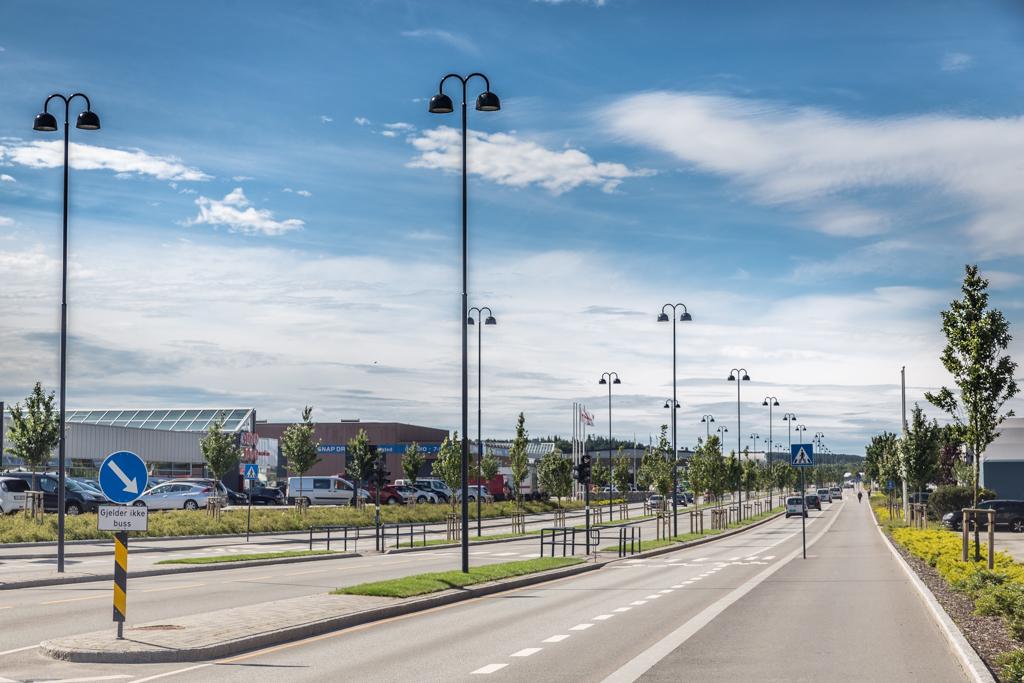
(1011, 666)
(950, 498)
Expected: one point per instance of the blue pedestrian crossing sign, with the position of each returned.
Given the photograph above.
(123, 477)
(252, 471)
(801, 455)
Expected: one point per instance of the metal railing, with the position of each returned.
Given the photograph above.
(629, 537)
(348, 533)
(554, 536)
(412, 529)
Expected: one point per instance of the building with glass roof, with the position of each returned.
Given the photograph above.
(189, 420)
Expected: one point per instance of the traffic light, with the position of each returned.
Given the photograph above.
(380, 474)
(582, 470)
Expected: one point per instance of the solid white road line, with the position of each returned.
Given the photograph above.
(18, 649)
(636, 667)
(527, 651)
(489, 669)
(556, 639)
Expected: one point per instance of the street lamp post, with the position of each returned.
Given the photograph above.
(722, 431)
(739, 375)
(755, 438)
(610, 378)
(442, 104)
(663, 317)
(489, 320)
(803, 492)
(706, 420)
(771, 402)
(47, 123)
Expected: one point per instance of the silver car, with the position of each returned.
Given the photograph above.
(176, 496)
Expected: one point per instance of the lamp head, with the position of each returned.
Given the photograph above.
(617, 381)
(490, 320)
(603, 381)
(686, 317)
(746, 377)
(775, 404)
(470, 321)
(487, 101)
(88, 120)
(663, 317)
(45, 122)
(441, 104)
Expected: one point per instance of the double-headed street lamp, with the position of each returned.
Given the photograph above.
(755, 438)
(789, 419)
(739, 375)
(771, 402)
(663, 317)
(706, 420)
(489, 320)
(47, 123)
(442, 104)
(610, 378)
(722, 430)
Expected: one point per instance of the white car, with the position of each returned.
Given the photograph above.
(825, 495)
(795, 506)
(411, 493)
(174, 496)
(12, 494)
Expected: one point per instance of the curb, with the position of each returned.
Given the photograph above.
(299, 632)
(176, 569)
(966, 655)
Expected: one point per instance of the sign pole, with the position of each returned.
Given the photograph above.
(803, 517)
(120, 581)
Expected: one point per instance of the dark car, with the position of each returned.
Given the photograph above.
(681, 500)
(813, 502)
(1009, 514)
(77, 498)
(267, 496)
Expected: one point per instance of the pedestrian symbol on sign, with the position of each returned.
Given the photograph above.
(252, 471)
(802, 455)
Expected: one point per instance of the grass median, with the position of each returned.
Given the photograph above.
(244, 557)
(433, 582)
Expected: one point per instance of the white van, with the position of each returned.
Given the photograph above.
(321, 490)
(432, 484)
(12, 494)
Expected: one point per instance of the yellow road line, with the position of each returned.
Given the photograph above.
(173, 588)
(86, 597)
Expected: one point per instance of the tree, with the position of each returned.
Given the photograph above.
(555, 475)
(220, 451)
(412, 461)
(489, 467)
(35, 430)
(707, 468)
(749, 474)
(976, 338)
(360, 463)
(919, 450)
(880, 460)
(621, 473)
(299, 446)
(949, 458)
(517, 460)
(448, 465)
(599, 474)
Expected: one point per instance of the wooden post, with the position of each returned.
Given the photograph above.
(966, 534)
(991, 539)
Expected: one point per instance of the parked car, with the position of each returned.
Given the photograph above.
(813, 501)
(474, 492)
(325, 490)
(267, 496)
(77, 498)
(656, 501)
(432, 484)
(681, 499)
(1009, 514)
(825, 495)
(837, 493)
(390, 495)
(416, 494)
(176, 496)
(848, 485)
(230, 495)
(795, 507)
(12, 494)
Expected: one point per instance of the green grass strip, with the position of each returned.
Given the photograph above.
(421, 584)
(251, 556)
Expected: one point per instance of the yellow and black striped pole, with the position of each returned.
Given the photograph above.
(120, 580)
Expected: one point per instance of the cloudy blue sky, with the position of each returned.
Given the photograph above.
(269, 216)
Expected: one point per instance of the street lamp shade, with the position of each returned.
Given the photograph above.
(746, 377)
(488, 101)
(441, 104)
(88, 120)
(617, 381)
(490, 320)
(685, 317)
(470, 321)
(603, 381)
(775, 404)
(45, 122)
(663, 317)
(732, 378)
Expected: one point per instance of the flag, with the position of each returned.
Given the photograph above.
(586, 417)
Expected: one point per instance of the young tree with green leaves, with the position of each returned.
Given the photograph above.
(220, 451)
(300, 446)
(517, 459)
(489, 466)
(361, 459)
(35, 430)
(599, 474)
(412, 461)
(976, 338)
(620, 472)
(919, 450)
(555, 475)
(448, 465)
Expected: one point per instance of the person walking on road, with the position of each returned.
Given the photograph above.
(859, 494)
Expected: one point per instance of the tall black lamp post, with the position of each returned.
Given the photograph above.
(706, 420)
(610, 378)
(47, 123)
(771, 402)
(663, 317)
(739, 375)
(489, 320)
(722, 431)
(442, 104)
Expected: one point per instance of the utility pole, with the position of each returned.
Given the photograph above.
(903, 393)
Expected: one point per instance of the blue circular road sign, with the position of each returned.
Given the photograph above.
(123, 477)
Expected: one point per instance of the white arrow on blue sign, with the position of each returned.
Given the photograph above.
(252, 471)
(802, 455)
(123, 477)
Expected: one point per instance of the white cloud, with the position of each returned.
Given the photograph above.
(425, 236)
(4, 220)
(400, 126)
(326, 119)
(1000, 279)
(509, 160)
(813, 159)
(388, 133)
(361, 121)
(241, 178)
(236, 213)
(956, 61)
(455, 40)
(4, 178)
(301, 193)
(50, 154)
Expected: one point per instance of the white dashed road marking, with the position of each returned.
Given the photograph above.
(526, 652)
(581, 627)
(489, 669)
(602, 617)
(622, 609)
(556, 639)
